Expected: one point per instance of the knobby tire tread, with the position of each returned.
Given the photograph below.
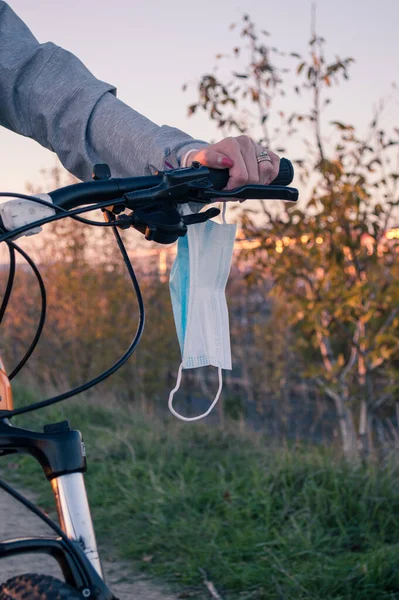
(37, 587)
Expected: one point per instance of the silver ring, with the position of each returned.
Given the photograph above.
(263, 156)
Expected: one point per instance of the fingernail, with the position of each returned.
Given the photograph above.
(225, 162)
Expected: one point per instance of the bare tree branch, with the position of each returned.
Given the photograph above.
(210, 586)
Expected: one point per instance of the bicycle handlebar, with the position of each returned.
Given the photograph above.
(220, 177)
(154, 200)
(108, 188)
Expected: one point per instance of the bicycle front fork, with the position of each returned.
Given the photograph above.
(61, 453)
(74, 514)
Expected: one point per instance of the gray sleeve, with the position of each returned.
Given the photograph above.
(47, 94)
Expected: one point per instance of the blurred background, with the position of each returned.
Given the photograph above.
(313, 293)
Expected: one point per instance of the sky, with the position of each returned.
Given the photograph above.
(148, 50)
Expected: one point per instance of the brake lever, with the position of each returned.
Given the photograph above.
(201, 217)
(253, 192)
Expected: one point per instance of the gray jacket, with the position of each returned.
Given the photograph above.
(47, 94)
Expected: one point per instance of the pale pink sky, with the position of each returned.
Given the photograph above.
(149, 49)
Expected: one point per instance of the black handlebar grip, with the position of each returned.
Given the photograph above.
(220, 177)
(285, 173)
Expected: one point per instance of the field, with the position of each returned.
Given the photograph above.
(184, 502)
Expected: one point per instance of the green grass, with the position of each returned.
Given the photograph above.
(264, 523)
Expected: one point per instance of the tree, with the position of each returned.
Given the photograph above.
(332, 261)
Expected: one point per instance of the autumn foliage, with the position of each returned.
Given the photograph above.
(313, 299)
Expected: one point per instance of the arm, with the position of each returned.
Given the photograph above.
(47, 94)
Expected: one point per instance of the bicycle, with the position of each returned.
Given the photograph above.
(153, 203)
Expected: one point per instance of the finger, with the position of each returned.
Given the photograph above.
(227, 150)
(212, 159)
(268, 171)
(265, 172)
(249, 153)
(238, 172)
(276, 165)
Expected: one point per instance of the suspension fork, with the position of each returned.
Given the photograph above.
(74, 514)
(61, 453)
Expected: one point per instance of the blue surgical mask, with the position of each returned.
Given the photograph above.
(197, 285)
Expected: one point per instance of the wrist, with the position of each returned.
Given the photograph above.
(185, 160)
(185, 151)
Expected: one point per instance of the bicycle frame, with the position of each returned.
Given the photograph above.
(6, 402)
(61, 453)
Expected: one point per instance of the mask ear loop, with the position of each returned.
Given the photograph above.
(205, 414)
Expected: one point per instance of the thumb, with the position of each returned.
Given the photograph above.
(212, 159)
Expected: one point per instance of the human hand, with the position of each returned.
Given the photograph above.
(241, 156)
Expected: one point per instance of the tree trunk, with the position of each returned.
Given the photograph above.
(370, 436)
(345, 422)
(363, 438)
(347, 429)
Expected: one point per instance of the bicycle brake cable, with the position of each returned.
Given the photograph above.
(63, 215)
(121, 361)
(42, 318)
(55, 207)
(10, 283)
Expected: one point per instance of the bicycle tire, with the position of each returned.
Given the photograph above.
(32, 587)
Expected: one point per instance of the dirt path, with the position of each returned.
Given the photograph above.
(17, 521)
